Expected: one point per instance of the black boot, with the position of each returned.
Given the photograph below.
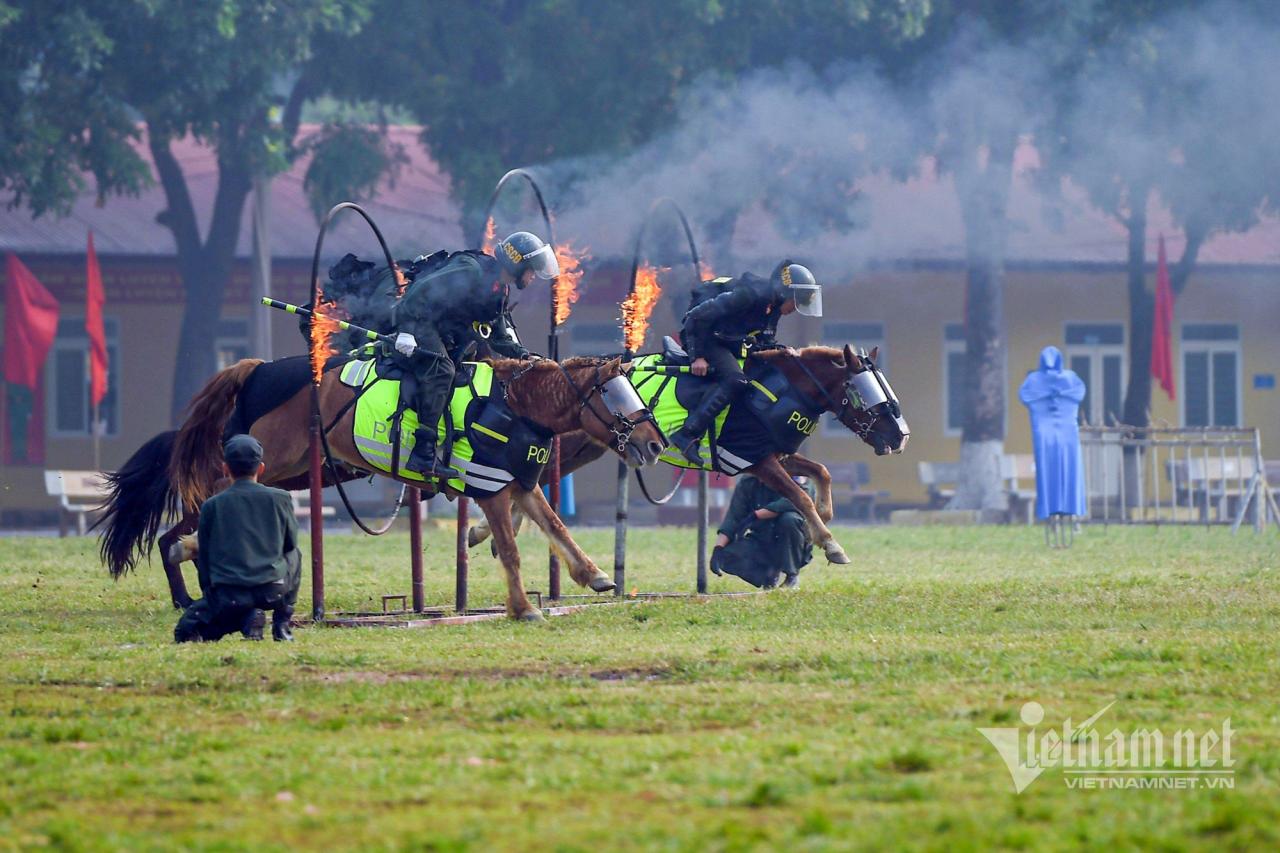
(687, 438)
(280, 630)
(423, 458)
(253, 624)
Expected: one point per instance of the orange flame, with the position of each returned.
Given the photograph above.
(324, 324)
(704, 271)
(638, 305)
(401, 281)
(489, 237)
(566, 284)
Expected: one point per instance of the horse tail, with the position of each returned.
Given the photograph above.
(140, 495)
(195, 466)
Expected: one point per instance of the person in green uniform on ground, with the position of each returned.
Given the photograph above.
(248, 559)
(763, 538)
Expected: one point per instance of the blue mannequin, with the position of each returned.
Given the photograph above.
(1053, 395)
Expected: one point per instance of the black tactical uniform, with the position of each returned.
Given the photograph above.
(761, 551)
(452, 303)
(726, 314)
(445, 310)
(248, 558)
(364, 294)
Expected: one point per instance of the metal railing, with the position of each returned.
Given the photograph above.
(1169, 475)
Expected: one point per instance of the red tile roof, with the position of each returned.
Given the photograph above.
(415, 213)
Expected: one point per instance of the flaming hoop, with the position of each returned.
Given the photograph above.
(326, 320)
(642, 294)
(638, 305)
(317, 346)
(490, 238)
(565, 288)
(637, 265)
(553, 348)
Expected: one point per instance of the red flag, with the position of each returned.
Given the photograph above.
(30, 324)
(1162, 326)
(95, 298)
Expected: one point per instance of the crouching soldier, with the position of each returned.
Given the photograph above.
(763, 538)
(247, 556)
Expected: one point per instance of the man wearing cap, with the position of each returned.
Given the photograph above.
(247, 559)
(729, 316)
(444, 311)
(763, 538)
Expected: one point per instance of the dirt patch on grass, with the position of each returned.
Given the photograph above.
(366, 676)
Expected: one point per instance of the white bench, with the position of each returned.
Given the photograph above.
(302, 506)
(940, 479)
(78, 492)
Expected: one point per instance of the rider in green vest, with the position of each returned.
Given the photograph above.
(442, 312)
(727, 314)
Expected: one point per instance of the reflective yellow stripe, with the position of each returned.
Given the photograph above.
(722, 279)
(484, 429)
(765, 391)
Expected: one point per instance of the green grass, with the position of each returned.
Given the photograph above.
(843, 715)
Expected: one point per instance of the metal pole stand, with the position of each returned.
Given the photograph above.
(702, 531)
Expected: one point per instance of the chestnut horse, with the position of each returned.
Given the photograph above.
(823, 374)
(180, 470)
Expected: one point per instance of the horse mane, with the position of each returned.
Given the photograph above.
(508, 366)
(810, 353)
(196, 462)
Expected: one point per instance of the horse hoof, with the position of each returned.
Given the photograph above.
(493, 549)
(836, 554)
(602, 584)
(473, 537)
(533, 615)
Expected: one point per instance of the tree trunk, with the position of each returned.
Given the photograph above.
(205, 266)
(984, 195)
(1137, 397)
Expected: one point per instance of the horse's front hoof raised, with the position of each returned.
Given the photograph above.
(532, 615)
(836, 554)
(474, 536)
(602, 584)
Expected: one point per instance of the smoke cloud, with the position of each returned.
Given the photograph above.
(846, 169)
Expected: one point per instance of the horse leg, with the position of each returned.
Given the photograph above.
(816, 471)
(771, 473)
(480, 531)
(172, 569)
(497, 510)
(581, 568)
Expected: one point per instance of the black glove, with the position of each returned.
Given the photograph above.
(717, 560)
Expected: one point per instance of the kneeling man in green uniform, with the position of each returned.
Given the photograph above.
(248, 559)
(763, 538)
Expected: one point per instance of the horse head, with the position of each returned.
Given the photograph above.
(852, 388)
(612, 412)
(589, 394)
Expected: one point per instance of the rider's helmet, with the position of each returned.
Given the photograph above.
(524, 251)
(793, 281)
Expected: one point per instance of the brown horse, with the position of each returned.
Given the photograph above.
(822, 374)
(182, 469)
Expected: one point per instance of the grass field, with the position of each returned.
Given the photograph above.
(843, 715)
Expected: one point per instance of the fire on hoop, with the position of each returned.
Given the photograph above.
(638, 305)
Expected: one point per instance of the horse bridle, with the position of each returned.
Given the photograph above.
(852, 399)
(622, 426)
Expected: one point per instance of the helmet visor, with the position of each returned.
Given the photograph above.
(808, 299)
(543, 262)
